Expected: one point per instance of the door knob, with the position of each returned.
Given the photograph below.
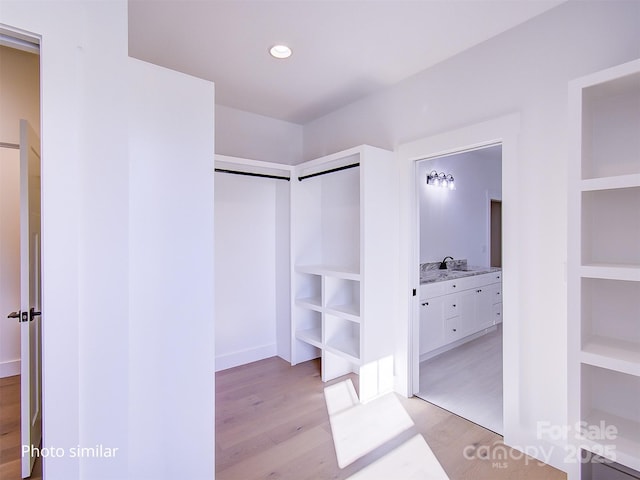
(33, 313)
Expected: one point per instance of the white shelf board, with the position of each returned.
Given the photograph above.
(612, 354)
(627, 441)
(610, 183)
(313, 303)
(347, 273)
(312, 336)
(611, 271)
(348, 312)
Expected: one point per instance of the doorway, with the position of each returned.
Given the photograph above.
(460, 332)
(20, 334)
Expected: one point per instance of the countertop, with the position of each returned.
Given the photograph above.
(429, 273)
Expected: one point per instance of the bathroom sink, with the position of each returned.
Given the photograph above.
(431, 276)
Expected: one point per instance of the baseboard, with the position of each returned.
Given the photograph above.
(242, 357)
(9, 368)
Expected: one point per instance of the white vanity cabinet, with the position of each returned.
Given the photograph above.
(454, 309)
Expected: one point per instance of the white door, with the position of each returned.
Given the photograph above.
(30, 295)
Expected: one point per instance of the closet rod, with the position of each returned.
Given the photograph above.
(337, 169)
(10, 145)
(250, 174)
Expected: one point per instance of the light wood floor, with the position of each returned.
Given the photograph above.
(10, 444)
(467, 380)
(272, 423)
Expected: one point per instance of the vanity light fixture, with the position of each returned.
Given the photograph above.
(441, 180)
(280, 51)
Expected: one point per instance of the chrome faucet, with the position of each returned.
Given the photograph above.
(443, 264)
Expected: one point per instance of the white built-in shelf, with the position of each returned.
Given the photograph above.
(611, 271)
(613, 354)
(342, 281)
(347, 273)
(611, 183)
(604, 263)
(312, 336)
(624, 447)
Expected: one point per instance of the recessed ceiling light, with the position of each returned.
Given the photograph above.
(280, 51)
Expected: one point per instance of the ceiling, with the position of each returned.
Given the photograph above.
(342, 50)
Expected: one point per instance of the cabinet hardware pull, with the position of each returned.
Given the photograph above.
(425, 304)
(454, 304)
(455, 330)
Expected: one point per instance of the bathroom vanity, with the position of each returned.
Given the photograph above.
(457, 305)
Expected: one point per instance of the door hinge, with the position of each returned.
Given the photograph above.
(414, 292)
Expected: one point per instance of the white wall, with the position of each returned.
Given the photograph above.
(171, 272)
(455, 222)
(19, 98)
(245, 252)
(248, 135)
(127, 353)
(524, 70)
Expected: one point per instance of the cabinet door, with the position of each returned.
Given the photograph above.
(484, 300)
(431, 324)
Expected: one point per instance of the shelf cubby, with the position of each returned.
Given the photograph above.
(308, 290)
(622, 411)
(342, 336)
(610, 116)
(342, 297)
(309, 327)
(611, 226)
(611, 324)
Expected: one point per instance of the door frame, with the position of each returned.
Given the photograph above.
(503, 130)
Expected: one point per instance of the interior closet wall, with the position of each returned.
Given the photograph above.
(252, 269)
(19, 98)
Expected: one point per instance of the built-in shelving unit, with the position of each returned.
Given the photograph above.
(343, 230)
(604, 263)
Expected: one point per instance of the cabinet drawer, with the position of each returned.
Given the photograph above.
(453, 329)
(495, 291)
(489, 278)
(497, 313)
(451, 306)
(459, 284)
